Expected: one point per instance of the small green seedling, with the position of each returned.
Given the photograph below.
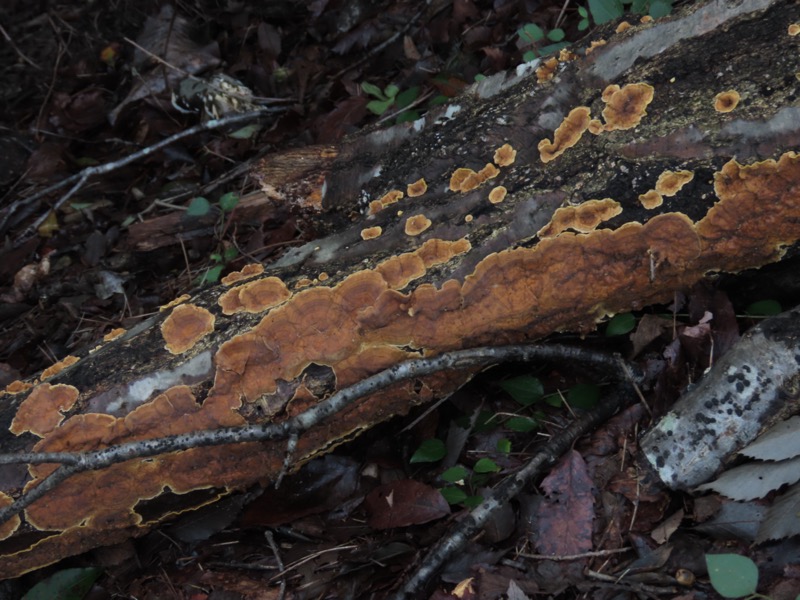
(199, 207)
(530, 35)
(764, 308)
(734, 576)
(392, 97)
(620, 324)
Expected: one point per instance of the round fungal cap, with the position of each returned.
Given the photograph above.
(186, 325)
(505, 155)
(417, 224)
(498, 194)
(417, 188)
(725, 102)
(371, 232)
(625, 106)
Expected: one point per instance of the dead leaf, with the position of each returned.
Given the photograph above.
(566, 515)
(404, 502)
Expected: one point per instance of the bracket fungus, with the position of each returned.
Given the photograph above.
(727, 101)
(56, 368)
(247, 272)
(186, 325)
(43, 410)
(417, 224)
(583, 218)
(387, 199)
(417, 188)
(254, 296)
(370, 233)
(626, 106)
(567, 135)
(505, 155)
(498, 194)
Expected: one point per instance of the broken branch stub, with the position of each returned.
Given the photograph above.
(436, 269)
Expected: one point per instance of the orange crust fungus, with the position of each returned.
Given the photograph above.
(651, 199)
(114, 334)
(670, 182)
(417, 188)
(247, 272)
(179, 300)
(255, 296)
(646, 19)
(794, 29)
(17, 387)
(498, 194)
(417, 224)
(596, 127)
(323, 276)
(547, 70)
(43, 410)
(56, 368)
(387, 199)
(488, 172)
(725, 102)
(505, 155)
(566, 136)
(626, 106)
(186, 325)
(594, 45)
(622, 27)
(371, 233)
(583, 218)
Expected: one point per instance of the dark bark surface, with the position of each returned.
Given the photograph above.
(449, 270)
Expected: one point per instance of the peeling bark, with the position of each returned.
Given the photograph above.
(445, 270)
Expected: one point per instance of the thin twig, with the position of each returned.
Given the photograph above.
(83, 175)
(78, 462)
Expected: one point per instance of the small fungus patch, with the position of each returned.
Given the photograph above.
(794, 29)
(179, 300)
(371, 233)
(114, 334)
(546, 71)
(323, 276)
(458, 178)
(725, 102)
(505, 155)
(247, 272)
(583, 218)
(8, 528)
(622, 27)
(626, 106)
(594, 45)
(255, 296)
(566, 136)
(417, 224)
(17, 387)
(417, 188)
(488, 172)
(670, 182)
(387, 199)
(646, 19)
(185, 326)
(43, 410)
(56, 368)
(498, 194)
(651, 199)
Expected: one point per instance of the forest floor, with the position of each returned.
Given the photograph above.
(81, 88)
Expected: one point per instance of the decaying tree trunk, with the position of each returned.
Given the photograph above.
(594, 185)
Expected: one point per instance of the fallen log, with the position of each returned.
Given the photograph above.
(540, 201)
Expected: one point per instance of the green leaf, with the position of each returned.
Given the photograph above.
(486, 465)
(378, 107)
(583, 24)
(407, 117)
(455, 474)
(485, 421)
(521, 424)
(246, 132)
(732, 575)
(583, 395)
(391, 90)
(198, 207)
(227, 202)
(525, 389)
(478, 77)
(373, 90)
(553, 400)
(128, 221)
(229, 254)
(504, 445)
(530, 33)
(216, 257)
(406, 97)
(210, 276)
(529, 56)
(69, 584)
(552, 48)
(764, 308)
(583, 12)
(442, 99)
(620, 324)
(660, 8)
(555, 35)
(639, 6)
(453, 495)
(473, 501)
(604, 11)
(429, 451)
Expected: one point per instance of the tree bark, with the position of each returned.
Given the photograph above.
(571, 242)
